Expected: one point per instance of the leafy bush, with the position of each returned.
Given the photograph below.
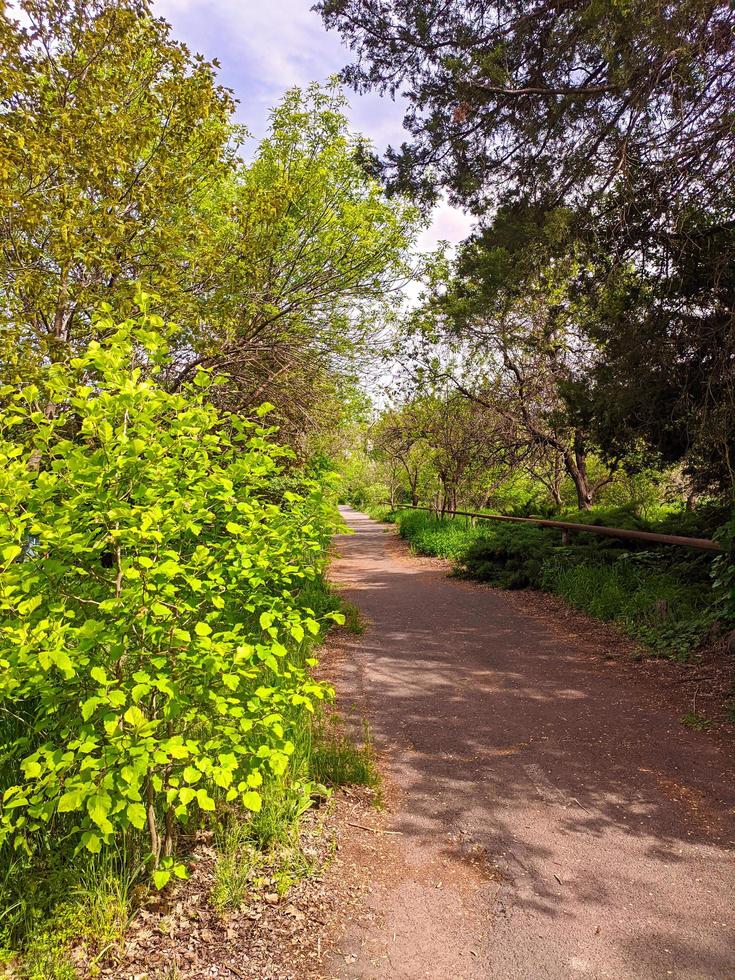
(511, 557)
(651, 604)
(153, 633)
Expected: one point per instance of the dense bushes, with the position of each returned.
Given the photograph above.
(441, 538)
(662, 596)
(512, 557)
(154, 607)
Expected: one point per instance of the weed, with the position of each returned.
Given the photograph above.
(354, 620)
(236, 861)
(699, 723)
(336, 760)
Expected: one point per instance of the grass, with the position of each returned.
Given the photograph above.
(661, 596)
(267, 846)
(60, 915)
(447, 538)
(651, 604)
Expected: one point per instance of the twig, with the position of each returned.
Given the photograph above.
(575, 800)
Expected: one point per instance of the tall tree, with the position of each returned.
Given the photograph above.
(610, 124)
(112, 137)
(311, 254)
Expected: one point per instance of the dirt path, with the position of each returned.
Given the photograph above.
(554, 820)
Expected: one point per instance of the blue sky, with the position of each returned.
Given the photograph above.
(265, 47)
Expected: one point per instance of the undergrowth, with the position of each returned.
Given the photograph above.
(662, 596)
(59, 916)
(268, 846)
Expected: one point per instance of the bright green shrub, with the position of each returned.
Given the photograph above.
(447, 537)
(153, 637)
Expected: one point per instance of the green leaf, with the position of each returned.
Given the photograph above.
(31, 768)
(29, 605)
(136, 815)
(135, 717)
(92, 842)
(202, 629)
(266, 620)
(71, 800)
(222, 776)
(10, 552)
(192, 775)
(161, 878)
(98, 807)
(252, 800)
(99, 675)
(88, 708)
(204, 800)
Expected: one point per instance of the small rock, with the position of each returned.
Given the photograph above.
(272, 898)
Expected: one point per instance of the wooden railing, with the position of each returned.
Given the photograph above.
(701, 544)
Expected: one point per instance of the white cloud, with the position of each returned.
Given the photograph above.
(266, 47)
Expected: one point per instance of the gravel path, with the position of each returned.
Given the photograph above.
(555, 819)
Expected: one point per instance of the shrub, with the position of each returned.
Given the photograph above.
(152, 636)
(651, 604)
(511, 557)
(446, 537)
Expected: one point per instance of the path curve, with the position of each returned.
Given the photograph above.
(554, 821)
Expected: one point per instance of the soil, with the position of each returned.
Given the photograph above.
(549, 814)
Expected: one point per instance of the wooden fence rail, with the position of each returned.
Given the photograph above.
(701, 544)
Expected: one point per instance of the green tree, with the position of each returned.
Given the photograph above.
(599, 130)
(112, 137)
(311, 254)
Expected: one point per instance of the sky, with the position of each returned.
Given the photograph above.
(267, 46)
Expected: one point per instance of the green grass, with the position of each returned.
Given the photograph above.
(652, 605)
(447, 538)
(267, 846)
(51, 911)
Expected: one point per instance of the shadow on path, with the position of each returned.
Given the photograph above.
(604, 826)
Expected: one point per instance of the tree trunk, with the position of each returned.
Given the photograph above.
(575, 461)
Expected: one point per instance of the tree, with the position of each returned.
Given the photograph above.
(550, 97)
(121, 168)
(400, 438)
(113, 137)
(597, 132)
(311, 253)
(523, 357)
